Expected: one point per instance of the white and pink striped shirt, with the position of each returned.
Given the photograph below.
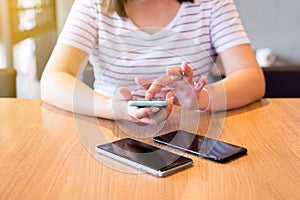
(119, 51)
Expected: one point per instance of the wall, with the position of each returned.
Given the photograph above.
(274, 24)
(62, 10)
(4, 34)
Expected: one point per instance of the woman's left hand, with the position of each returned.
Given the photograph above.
(143, 115)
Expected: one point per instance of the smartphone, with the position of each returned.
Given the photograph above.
(202, 146)
(145, 157)
(147, 103)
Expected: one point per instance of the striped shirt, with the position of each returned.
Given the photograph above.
(119, 51)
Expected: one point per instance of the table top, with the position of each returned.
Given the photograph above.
(47, 153)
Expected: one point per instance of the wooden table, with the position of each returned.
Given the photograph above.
(42, 156)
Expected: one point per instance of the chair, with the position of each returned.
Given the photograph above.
(8, 82)
(282, 81)
(87, 76)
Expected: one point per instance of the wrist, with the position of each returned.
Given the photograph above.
(205, 100)
(103, 107)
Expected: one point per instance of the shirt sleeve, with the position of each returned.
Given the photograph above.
(226, 27)
(80, 29)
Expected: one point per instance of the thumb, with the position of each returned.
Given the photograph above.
(125, 93)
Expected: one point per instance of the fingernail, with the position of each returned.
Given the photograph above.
(148, 96)
(201, 82)
(198, 85)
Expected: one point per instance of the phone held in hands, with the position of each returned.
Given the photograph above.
(145, 103)
(205, 147)
(145, 157)
(140, 101)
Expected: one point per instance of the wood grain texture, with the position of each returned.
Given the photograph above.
(47, 153)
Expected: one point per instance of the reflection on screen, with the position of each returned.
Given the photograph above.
(143, 153)
(200, 145)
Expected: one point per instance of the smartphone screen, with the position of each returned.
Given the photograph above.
(143, 156)
(202, 146)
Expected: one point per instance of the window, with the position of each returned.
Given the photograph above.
(31, 17)
(27, 38)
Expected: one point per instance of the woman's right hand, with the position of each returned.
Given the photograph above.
(179, 80)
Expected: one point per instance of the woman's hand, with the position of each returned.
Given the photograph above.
(179, 80)
(144, 115)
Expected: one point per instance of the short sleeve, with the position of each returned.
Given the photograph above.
(226, 27)
(80, 29)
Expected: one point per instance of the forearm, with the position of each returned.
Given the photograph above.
(67, 92)
(237, 90)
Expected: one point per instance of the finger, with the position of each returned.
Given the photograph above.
(146, 112)
(143, 82)
(139, 93)
(163, 114)
(161, 95)
(188, 72)
(175, 73)
(157, 86)
(170, 98)
(122, 94)
(125, 93)
(200, 83)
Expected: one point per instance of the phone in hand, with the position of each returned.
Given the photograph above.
(202, 146)
(140, 101)
(145, 103)
(145, 157)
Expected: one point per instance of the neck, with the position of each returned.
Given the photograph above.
(154, 14)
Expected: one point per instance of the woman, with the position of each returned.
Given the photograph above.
(127, 40)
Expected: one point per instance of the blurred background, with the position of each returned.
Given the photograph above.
(29, 29)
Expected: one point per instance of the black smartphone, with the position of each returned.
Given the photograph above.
(202, 146)
(145, 157)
